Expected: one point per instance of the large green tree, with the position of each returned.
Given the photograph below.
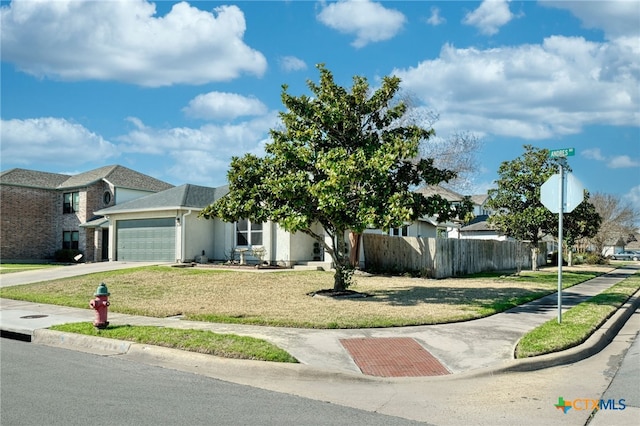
(583, 222)
(342, 159)
(519, 211)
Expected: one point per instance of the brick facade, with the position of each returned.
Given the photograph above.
(32, 217)
(29, 222)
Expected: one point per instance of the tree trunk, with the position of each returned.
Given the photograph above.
(569, 257)
(341, 262)
(534, 257)
(354, 254)
(338, 279)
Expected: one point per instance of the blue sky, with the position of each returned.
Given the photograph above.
(175, 89)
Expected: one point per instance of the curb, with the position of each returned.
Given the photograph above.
(81, 342)
(594, 344)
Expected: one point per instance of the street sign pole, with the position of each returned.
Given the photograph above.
(570, 195)
(560, 218)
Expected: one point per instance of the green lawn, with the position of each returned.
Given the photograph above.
(578, 323)
(201, 341)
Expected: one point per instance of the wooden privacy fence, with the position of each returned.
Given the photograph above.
(443, 257)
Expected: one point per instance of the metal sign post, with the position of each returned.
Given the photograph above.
(570, 194)
(560, 218)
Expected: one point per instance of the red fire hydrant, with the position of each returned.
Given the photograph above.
(101, 305)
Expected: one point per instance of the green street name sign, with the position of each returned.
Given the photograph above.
(564, 152)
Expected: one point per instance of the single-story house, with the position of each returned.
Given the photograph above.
(614, 246)
(165, 227)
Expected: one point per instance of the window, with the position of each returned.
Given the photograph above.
(398, 232)
(106, 197)
(71, 203)
(248, 233)
(70, 239)
(442, 233)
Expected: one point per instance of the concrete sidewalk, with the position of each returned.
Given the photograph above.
(483, 346)
(46, 274)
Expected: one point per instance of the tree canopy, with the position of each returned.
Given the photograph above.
(519, 212)
(342, 159)
(583, 222)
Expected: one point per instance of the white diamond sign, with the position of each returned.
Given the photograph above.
(572, 189)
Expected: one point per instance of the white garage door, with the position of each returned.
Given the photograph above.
(146, 240)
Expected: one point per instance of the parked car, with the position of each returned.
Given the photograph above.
(626, 255)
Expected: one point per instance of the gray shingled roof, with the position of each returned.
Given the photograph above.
(445, 193)
(479, 223)
(179, 197)
(117, 175)
(479, 199)
(32, 178)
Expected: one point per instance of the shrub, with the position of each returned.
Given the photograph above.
(596, 259)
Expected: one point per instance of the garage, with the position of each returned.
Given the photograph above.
(146, 240)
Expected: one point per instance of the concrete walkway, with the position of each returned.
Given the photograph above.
(482, 346)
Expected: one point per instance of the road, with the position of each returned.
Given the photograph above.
(51, 386)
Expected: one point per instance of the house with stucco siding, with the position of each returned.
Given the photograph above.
(165, 227)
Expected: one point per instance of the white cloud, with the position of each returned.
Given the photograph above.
(199, 167)
(125, 41)
(613, 162)
(634, 197)
(615, 18)
(210, 146)
(593, 154)
(489, 16)
(622, 162)
(531, 91)
(226, 106)
(51, 140)
(435, 19)
(291, 63)
(369, 21)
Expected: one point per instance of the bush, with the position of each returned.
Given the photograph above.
(578, 259)
(66, 255)
(596, 259)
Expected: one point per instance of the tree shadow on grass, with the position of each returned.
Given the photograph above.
(483, 297)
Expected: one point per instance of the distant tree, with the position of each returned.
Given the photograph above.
(342, 160)
(516, 200)
(583, 222)
(457, 151)
(619, 220)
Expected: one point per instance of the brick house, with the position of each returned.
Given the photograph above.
(43, 212)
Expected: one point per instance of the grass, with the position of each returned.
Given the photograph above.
(6, 268)
(282, 298)
(201, 341)
(578, 323)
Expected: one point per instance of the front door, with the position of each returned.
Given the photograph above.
(105, 244)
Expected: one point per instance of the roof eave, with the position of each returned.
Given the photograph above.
(108, 211)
